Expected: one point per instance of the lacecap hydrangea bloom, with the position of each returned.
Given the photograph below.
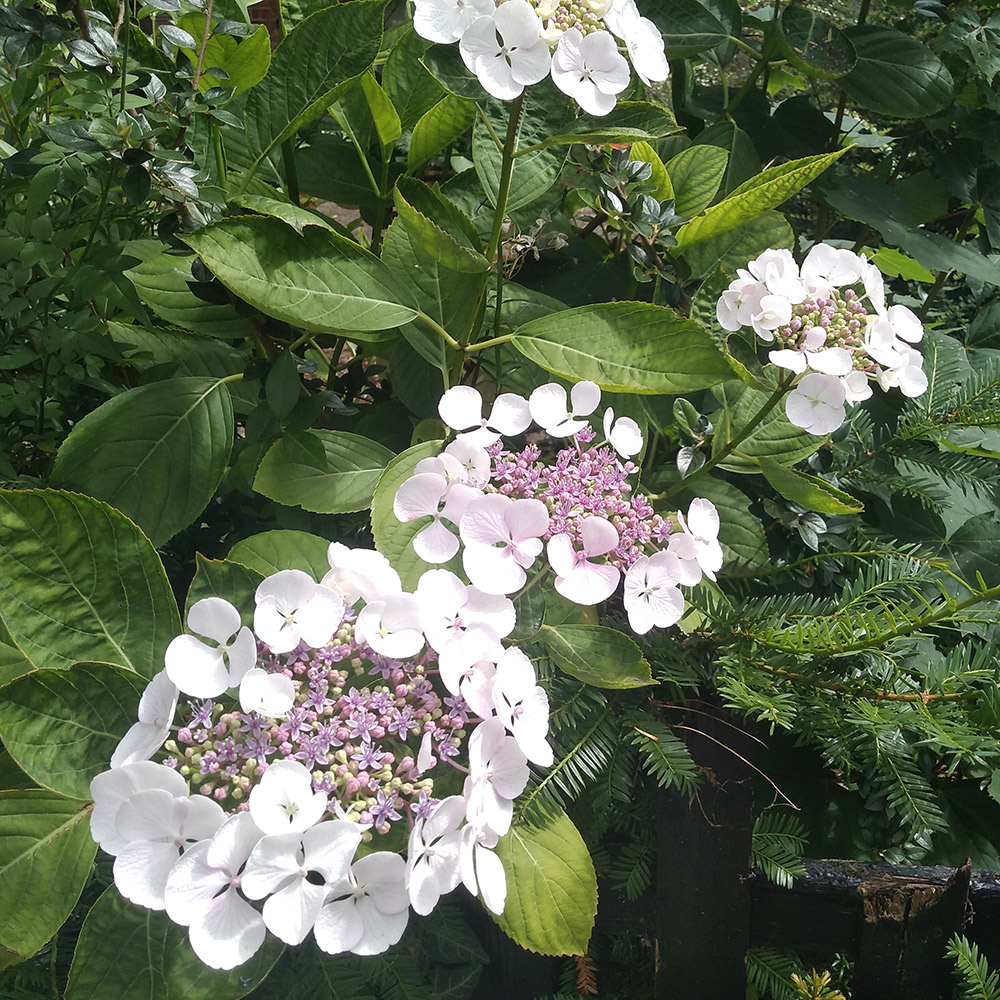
(286, 752)
(828, 322)
(578, 43)
(570, 511)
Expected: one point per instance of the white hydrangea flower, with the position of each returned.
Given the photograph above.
(447, 20)
(292, 608)
(652, 597)
(156, 711)
(502, 538)
(432, 855)
(816, 404)
(284, 801)
(579, 579)
(549, 409)
(590, 70)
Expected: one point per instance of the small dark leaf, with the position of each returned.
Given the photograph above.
(136, 185)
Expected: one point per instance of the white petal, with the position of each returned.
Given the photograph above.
(510, 414)
(461, 406)
(547, 404)
(585, 397)
(197, 669)
(291, 912)
(228, 933)
(215, 618)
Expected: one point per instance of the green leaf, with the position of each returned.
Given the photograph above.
(439, 226)
(734, 248)
(62, 726)
(293, 215)
(809, 491)
(696, 173)
(814, 46)
(272, 551)
(624, 347)
(156, 452)
(393, 537)
(628, 121)
(446, 296)
(245, 62)
(383, 114)
(439, 127)
(599, 656)
(79, 581)
(754, 197)
(543, 113)
(529, 610)
(896, 74)
(327, 472)
(45, 856)
(412, 90)
(227, 579)
(744, 163)
(659, 178)
(13, 663)
(130, 953)
(445, 64)
(161, 281)
(551, 887)
(687, 27)
(317, 280)
(315, 62)
(775, 437)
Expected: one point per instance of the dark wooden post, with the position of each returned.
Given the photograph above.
(702, 892)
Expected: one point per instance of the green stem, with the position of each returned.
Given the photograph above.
(752, 424)
(503, 191)
(225, 380)
(291, 174)
(489, 126)
(481, 345)
(102, 205)
(932, 294)
(220, 159)
(440, 331)
(742, 93)
(383, 200)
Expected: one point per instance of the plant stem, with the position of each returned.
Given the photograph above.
(481, 345)
(291, 174)
(127, 24)
(204, 43)
(932, 294)
(440, 330)
(383, 197)
(748, 428)
(861, 691)
(503, 191)
(220, 159)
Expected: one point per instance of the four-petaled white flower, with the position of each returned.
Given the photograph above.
(447, 20)
(284, 801)
(156, 711)
(360, 574)
(579, 579)
(110, 790)
(365, 912)
(590, 70)
(432, 855)
(522, 705)
(652, 598)
(157, 827)
(502, 538)
(292, 608)
(698, 541)
(642, 40)
(202, 894)
(270, 695)
(506, 51)
(498, 772)
(461, 407)
(392, 626)
(295, 870)
(816, 404)
(429, 494)
(202, 670)
(482, 871)
(548, 408)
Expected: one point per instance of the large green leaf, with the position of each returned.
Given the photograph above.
(156, 452)
(602, 657)
(896, 74)
(775, 437)
(327, 472)
(814, 46)
(629, 121)
(130, 953)
(45, 856)
(412, 90)
(695, 174)
(161, 281)
(446, 296)
(687, 26)
(79, 581)
(439, 226)
(271, 551)
(393, 537)
(318, 59)
(62, 726)
(809, 491)
(13, 663)
(534, 173)
(754, 197)
(230, 580)
(315, 280)
(244, 63)
(734, 248)
(437, 128)
(551, 887)
(624, 347)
